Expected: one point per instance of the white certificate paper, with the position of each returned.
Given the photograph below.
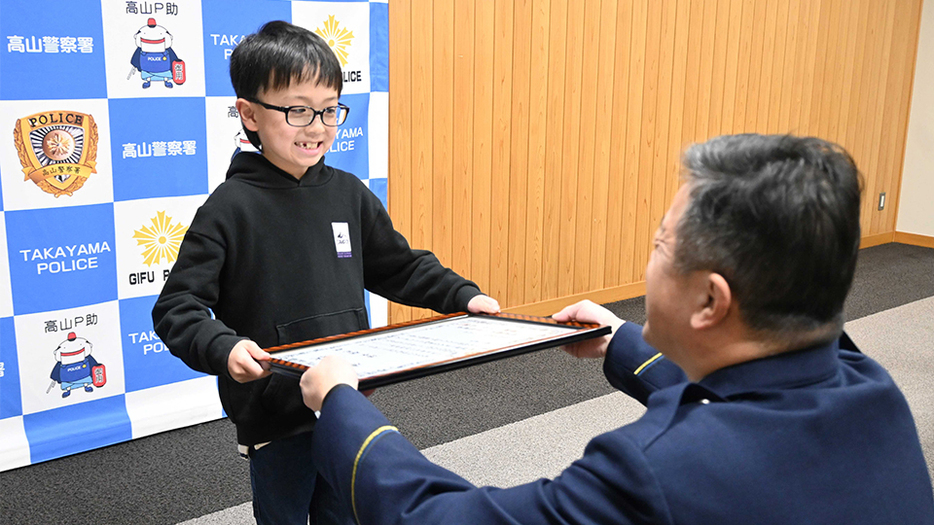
(427, 344)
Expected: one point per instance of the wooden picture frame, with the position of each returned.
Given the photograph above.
(405, 351)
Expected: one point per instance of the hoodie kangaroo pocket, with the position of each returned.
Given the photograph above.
(322, 325)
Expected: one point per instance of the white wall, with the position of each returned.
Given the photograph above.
(916, 206)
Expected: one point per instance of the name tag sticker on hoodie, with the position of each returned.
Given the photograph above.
(341, 239)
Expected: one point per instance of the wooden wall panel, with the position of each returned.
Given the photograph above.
(482, 139)
(538, 112)
(535, 144)
(503, 75)
(442, 147)
(618, 119)
(551, 226)
(463, 136)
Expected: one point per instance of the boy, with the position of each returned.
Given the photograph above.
(281, 252)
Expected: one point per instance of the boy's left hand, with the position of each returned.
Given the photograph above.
(483, 304)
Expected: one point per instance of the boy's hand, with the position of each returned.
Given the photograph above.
(588, 312)
(318, 380)
(248, 362)
(483, 304)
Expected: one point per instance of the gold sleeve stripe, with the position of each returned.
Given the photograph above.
(651, 360)
(356, 461)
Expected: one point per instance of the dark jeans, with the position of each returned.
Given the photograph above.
(287, 489)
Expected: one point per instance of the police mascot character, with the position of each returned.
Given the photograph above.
(241, 143)
(154, 56)
(74, 364)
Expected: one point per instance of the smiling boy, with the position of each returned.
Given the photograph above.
(296, 142)
(282, 252)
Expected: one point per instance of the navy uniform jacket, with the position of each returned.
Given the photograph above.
(815, 436)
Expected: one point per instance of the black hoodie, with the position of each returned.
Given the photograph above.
(262, 255)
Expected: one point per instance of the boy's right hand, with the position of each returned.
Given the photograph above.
(248, 362)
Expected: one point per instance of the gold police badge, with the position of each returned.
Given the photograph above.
(58, 150)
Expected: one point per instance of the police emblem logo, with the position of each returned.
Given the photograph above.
(57, 149)
(337, 37)
(161, 240)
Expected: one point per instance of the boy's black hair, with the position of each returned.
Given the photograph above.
(277, 55)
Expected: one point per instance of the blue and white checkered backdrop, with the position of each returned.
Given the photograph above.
(104, 159)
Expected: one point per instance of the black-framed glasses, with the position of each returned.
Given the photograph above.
(301, 116)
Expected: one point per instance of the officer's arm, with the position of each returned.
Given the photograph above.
(635, 367)
(382, 478)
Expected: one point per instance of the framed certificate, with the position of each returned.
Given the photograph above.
(396, 353)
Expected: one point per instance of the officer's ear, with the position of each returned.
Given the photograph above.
(717, 304)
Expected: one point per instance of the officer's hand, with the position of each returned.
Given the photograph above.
(318, 380)
(483, 304)
(589, 312)
(248, 362)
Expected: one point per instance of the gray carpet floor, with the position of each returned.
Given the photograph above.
(193, 475)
